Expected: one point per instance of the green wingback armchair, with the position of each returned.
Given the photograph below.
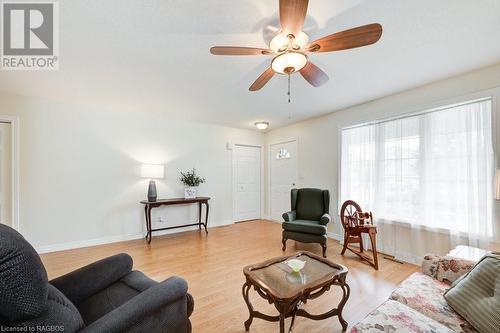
(309, 217)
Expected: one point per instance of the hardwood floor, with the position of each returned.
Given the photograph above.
(212, 264)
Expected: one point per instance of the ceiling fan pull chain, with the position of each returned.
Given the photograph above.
(289, 94)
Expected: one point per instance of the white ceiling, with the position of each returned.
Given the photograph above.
(154, 55)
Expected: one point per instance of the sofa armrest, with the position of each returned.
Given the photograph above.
(290, 216)
(325, 219)
(430, 265)
(447, 268)
(164, 307)
(88, 280)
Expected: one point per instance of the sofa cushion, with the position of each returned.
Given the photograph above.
(309, 227)
(476, 296)
(23, 279)
(393, 317)
(425, 295)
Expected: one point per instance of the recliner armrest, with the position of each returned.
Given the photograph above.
(325, 219)
(290, 216)
(144, 308)
(88, 280)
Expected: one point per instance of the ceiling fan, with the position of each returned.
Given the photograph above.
(291, 46)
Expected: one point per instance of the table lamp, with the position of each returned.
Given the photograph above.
(152, 171)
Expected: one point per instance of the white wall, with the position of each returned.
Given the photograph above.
(319, 137)
(80, 169)
(80, 166)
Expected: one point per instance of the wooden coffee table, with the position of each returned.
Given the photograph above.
(275, 281)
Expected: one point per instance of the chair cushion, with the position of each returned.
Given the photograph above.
(393, 316)
(115, 295)
(476, 296)
(425, 295)
(310, 204)
(308, 227)
(23, 279)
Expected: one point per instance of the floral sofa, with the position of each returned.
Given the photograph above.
(418, 305)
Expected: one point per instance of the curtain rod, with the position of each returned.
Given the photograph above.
(414, 114)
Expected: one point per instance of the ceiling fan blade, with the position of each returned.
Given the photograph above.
(348, 39)
(292, 15)
(262, 80)
(314, 75)
(238, 50)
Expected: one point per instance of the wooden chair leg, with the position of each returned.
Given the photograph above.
(284, 244)
(346, 240)
(324, 246)
(373, 239)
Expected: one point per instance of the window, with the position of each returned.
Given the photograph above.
(433, 169)
(282, 154)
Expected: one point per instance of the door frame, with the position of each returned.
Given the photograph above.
(14, 122)
(233, 183)
(268, 187)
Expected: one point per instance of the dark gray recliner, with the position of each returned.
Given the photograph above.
(105, 296)
(309, 217)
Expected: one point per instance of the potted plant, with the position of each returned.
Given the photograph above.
(191, 180)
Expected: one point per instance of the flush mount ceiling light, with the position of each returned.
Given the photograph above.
(262, 125)
(290, 47)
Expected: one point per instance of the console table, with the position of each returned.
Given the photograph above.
(149, 205)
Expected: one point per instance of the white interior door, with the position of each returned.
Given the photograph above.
(247, 179)
(283, 177)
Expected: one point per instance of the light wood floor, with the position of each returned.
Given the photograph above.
(213, 265)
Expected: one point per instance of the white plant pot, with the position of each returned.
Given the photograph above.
(190, 192)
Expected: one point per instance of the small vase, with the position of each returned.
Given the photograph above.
(190, 192)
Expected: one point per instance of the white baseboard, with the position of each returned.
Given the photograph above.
(115, 239)
(86, 243)
(334, 236)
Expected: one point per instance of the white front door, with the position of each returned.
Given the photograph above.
(246, 180)
(283, 177)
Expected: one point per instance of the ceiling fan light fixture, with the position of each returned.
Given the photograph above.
(290, 46)
(281, 41)
(262, 125)
(289, 62)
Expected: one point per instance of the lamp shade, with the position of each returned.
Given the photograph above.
(153, 171)
(497, 185)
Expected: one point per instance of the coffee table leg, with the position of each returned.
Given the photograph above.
(282, 323)
(333, 312)
(245, 290)
(346, 292)
(293, 320)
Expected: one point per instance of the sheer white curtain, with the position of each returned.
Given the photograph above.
(427, 178)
